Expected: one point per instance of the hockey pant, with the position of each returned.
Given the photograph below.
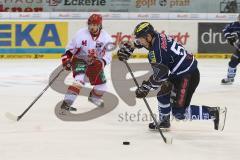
(82, 73)
(176, 98)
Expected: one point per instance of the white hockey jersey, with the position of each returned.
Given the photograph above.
(83, 43)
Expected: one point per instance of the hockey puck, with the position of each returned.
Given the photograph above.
(126, 143)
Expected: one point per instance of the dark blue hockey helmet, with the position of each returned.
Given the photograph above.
(142, 29)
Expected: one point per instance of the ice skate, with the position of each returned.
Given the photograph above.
(227, 81)
(164, 125)
(96, 100)
(64, 107)
(219, 115)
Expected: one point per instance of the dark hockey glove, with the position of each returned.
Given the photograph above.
(66, 60)
(143, 90)
(125, 51)
(232, 38)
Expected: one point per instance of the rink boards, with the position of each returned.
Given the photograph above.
(47, 39)
(135, 56)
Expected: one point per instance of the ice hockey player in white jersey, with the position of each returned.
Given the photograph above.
(176, 73)
(86, 55)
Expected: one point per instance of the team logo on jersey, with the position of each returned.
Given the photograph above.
(152, 57)
(84, 42)
(99, 45)
(163, 42)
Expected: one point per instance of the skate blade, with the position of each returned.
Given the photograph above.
(228, 83)
(100, 106)
(222, 118)
(63, 113)
(225, 84)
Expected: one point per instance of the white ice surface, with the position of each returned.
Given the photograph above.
(41, 135)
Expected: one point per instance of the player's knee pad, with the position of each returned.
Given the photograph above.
(74, 89)
(101, 87)
(79, 80)
(99, 90)
(164, 103)
(179, 112)
(95, 73)
(164, 99)
(166, 88)
(235, 60)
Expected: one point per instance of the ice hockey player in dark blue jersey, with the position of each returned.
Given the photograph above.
(232, 34)
(176, 73)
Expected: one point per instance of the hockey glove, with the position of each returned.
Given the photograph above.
(143, 90)
(66, 60)
(125, 51)
(232, 38)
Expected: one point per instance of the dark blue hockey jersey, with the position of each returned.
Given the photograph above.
(231, 28)
(169, 53)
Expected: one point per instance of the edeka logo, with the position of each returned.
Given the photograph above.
(33, 37)
(85, 2)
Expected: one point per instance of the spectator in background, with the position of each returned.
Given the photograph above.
(231, 7)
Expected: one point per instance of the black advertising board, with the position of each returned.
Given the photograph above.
(211, 38)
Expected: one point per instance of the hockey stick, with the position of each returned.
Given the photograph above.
(17, 118)
(167, 140)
